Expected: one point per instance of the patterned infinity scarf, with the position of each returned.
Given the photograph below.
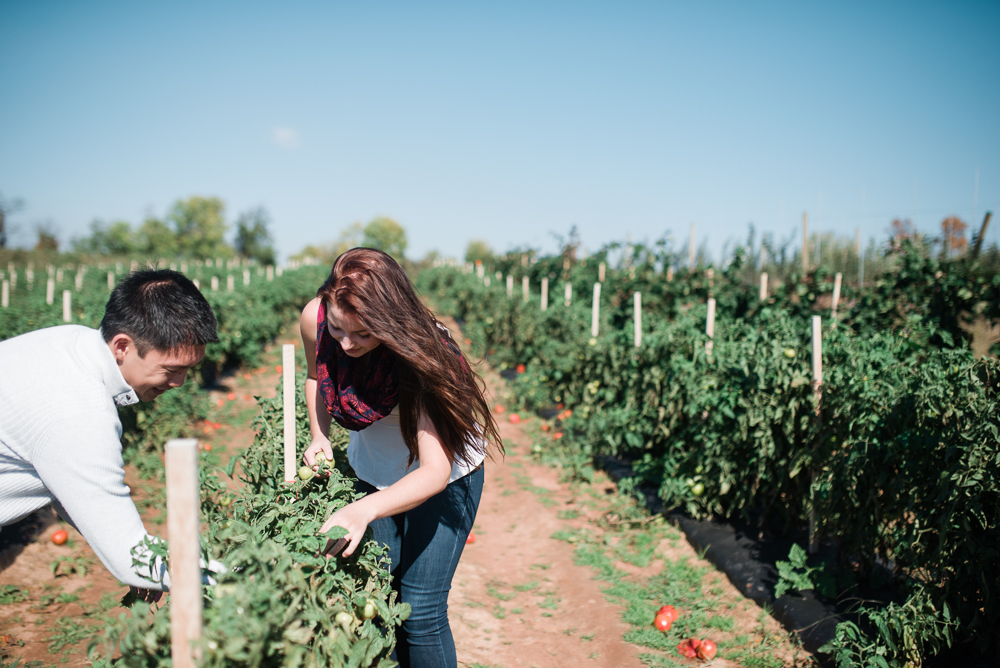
(356, 394)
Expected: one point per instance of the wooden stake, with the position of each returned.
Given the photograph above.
(545, 294)
(79, 281)
(230, 283)
(246, 277)
(5, 296)
(805, 244)
(691, 248)
(763, 286)
(510, 285)
(569, 294)
(601, 270)
(480, 270)
(817, 369)
(134, 265)
(270, 272)
(67, 314)
(185, 549)
(50, 291)
(836, 296)
(111, 280)
(638, 319)
(710, 327)
(524, 288)
(670, 274)
(215, 283)
(197, 283)
(595, 311)
(288, 396)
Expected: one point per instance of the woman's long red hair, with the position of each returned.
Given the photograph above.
(432, 378)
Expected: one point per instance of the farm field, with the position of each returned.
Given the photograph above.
(880, 471)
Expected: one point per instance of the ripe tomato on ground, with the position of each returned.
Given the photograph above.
(515, 418)
(231, 396)
(545, 426)
(471, 539)
(498, 409)
(689, 648)
(706, 650)
(277, 369)
(521, 368)
(670, 611)
(60, 537)
(662, 622)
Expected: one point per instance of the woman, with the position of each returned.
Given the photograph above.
(385, 369)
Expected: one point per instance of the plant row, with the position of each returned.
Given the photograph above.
(896, 460)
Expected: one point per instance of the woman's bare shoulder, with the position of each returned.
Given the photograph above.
(308, 321)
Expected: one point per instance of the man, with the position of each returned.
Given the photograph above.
(60, 436)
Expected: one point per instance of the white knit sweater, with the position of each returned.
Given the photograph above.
(60, 441)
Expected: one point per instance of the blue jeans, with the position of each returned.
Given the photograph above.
(425, 544)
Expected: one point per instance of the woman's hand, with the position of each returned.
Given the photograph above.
(319, 444)
(355, 517)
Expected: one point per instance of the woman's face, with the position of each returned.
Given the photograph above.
(350, 333)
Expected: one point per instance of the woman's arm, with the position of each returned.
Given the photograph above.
(319, 417)
(430, 478)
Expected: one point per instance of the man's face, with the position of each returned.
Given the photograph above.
(158, 371)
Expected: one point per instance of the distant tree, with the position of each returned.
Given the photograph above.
(7, 207)
(953, 236)
(386, 235)
(253, 240)
(114, 239)
(478, 249)
(903, 229)
(200, 227)
(47, 240)
(154, 237)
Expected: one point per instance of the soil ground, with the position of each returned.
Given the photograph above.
(519, 598)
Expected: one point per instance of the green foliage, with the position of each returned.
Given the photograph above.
(386, 235)
(796, 575)
(899, 460)
(282, 602)
(253, 238)
(12, 594)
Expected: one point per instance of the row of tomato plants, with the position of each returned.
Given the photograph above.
(281, 602)
(897, 461)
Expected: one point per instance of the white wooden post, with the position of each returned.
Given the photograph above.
(638, 319)
(230, 283)
(111, 280)
(215, 283)
(246, 277)
(5, 297)
(710, 326)
(197, 283)
(270, 272)
(545, 294)
(524, 288)
(185, 549)
(601, 270)
(817, 369)
(50, 291)
(763, 286)
(67, 297)
(134, 265)
(691, 248)
(763, 256)
(836, 296)
(670, 273)
(510, 285)
(288, 392)
(595, 311)
(184, 267)
(59, 275)
(79, 280)
(480, 270)
(568, 294)
(486, 281)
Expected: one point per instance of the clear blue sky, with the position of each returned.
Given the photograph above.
(503, 121)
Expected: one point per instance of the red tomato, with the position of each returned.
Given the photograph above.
(545, 426)
(521, 368)
(471, 539)
(568, 412)
(706, 651)
(515, 418)
(231, 396)
(498, 409)
(247, 397)
(208, 447)
(662, 622)
(60, 537)
(557, 435)
(221, 402)
(670, 611)
(246, 376)
(277, 369)
(689, 648)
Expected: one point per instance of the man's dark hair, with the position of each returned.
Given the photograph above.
(159, 309)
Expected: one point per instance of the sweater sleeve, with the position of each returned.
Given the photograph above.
(84, 470)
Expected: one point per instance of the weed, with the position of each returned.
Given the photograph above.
(499, 612)
(12, 594)
(68, 632)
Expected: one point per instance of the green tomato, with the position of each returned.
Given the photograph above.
(320, 457)
(592, 342)
(698, 489)
(344, 619)
(305, 472)
(698, 469)
(368, 611)
(790, 353)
